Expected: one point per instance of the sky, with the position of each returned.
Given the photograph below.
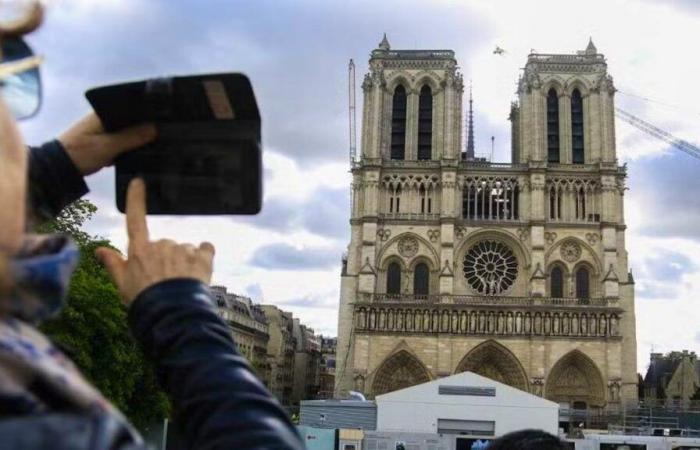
(296, 54)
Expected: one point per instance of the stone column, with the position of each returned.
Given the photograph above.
(565, 151)
(412, 124)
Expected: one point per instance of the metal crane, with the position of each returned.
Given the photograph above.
(351, 115)
(658, 133)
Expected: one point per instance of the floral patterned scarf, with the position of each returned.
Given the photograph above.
(35, 377)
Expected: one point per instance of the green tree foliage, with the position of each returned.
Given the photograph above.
(93, 329)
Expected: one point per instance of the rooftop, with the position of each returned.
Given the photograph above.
(384, 51)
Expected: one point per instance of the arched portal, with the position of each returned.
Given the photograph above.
(400, 370)
(576, 380)
(492, 360)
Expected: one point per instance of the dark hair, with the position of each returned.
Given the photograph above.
(527, 440)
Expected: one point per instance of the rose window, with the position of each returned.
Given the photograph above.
(490, 267)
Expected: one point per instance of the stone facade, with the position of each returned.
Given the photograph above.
(307, 357)
(517, 271)
(249, 328)
(280, 351)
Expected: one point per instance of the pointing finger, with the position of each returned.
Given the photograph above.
(136, 226)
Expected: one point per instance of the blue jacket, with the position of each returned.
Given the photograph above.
(218, 402)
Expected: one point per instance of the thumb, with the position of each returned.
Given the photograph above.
(114, 262)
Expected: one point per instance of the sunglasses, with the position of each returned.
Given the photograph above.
(20, 82)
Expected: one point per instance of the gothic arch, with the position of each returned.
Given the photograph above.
(576, 378)
(497, 235)
(429, 78)
(399, 371)
(565, 277)
(593, 259)
(422, 259)
(556, 83)
(577, 83)
(393, 258)
(593, 278)
(493, 360)
(431, 254)
(402, 78)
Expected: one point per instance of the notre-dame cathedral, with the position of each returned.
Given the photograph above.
(516, 271)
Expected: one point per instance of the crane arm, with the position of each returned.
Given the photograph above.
(657, 132)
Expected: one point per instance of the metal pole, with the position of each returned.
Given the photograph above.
(164, 442)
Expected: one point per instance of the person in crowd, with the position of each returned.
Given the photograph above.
(527, 440)
(45, 403)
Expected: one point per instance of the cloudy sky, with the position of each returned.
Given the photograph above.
(296, 53)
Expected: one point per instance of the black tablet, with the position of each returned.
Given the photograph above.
(207, 156)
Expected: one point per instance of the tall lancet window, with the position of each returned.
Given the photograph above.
(398, 123)
(425, 123)
(393, 279)
(421, 279)
(583, 281)
(556, 282)
(552, 126)
(577, 127)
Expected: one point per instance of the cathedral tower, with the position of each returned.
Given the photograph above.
(517, 271)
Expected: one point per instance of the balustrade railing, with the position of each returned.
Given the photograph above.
(487, 300)
(410, 216)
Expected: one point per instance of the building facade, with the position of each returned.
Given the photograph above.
(516, 271)
(307, 356)
(327, 367)
(249, 328)
(673, 380)
(280, 351)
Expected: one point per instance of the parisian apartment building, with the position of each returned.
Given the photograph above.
(285, 353)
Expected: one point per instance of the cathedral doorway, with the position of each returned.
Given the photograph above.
(400, 370)
(492, 360)
(577, 385)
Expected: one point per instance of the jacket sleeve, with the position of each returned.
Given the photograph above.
(54, 181)
(217, 400)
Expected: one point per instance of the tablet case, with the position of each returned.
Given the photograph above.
(207, 156)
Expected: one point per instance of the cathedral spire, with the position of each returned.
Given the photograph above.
(384, 45)
(591, 50)
(470, 127)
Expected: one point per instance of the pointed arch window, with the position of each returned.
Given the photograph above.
(398, 123)
(393, 279)
(425, 123)
(583, 281)
(421, 279)
(577, 156)
(556, 282)
(552, 126)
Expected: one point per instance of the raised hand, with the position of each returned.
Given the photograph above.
(147, 262)
(91, 148)
(13, 183)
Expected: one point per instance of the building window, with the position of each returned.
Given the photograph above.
(583, 280)
(577, 127)
(552, 126)
(490, 267)
(490, 199)
(421, 279)
(425, 123)
(555, 202)
(395, 200)
(393, 279)
(556, 282)
(398, 123)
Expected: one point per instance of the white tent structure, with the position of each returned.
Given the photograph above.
(465, 404)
